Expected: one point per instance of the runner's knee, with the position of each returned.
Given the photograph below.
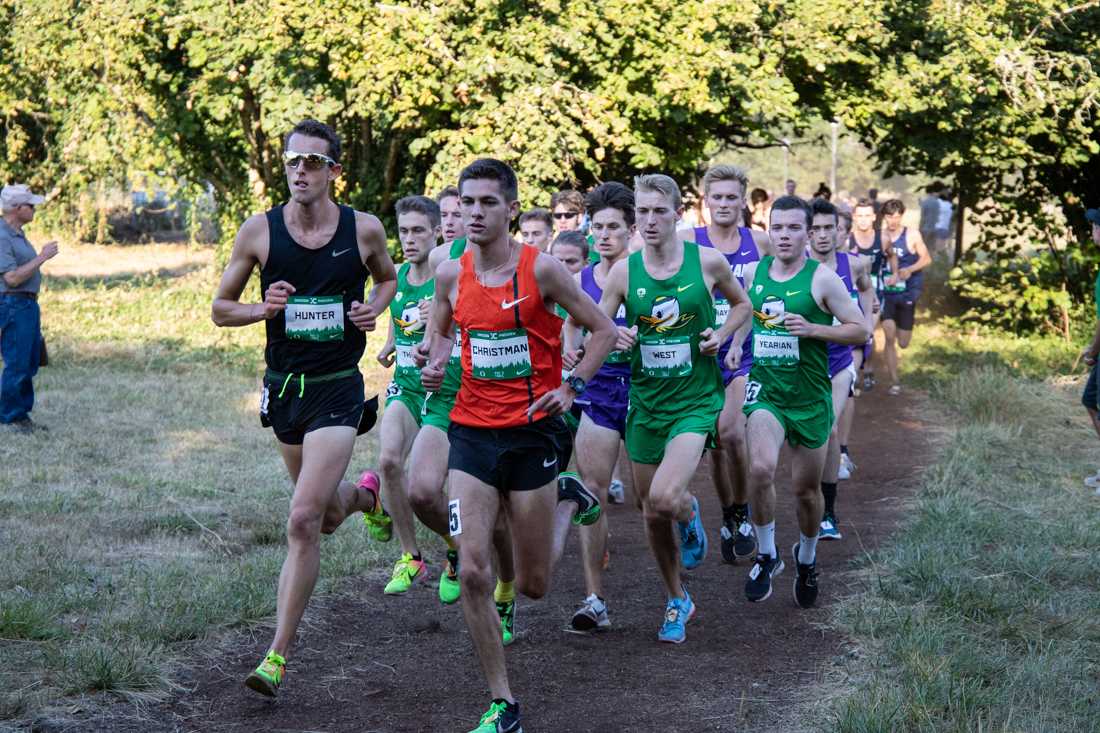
(391, 464)
(303, 525)
(532, 584)
(731, 432)
(761, 471)
(477, 573)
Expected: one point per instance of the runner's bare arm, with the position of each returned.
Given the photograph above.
(439, 335)
(717, 274)
(249, 250)
(438, 255)
(832, 297)
(923, 258)
(558, 286)
(387, 355)
(372, 249)
(866, 288)
(572, 340)
(763, 242)
(733, 356)
(892, 263)
(614, 295)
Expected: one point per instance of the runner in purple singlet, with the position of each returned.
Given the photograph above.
(724, 188)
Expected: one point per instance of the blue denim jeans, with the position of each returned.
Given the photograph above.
(20, 347)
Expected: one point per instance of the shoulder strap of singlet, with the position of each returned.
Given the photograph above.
(588, 278)
(702, 238)
(747, 240)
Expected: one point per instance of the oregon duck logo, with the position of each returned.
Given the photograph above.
(666, 315)
(771, 312)
(410, 322)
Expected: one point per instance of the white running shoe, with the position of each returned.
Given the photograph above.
(615, 492)
(1093, 482)
(591, 616)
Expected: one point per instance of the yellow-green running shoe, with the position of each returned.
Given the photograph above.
(405, 571)
(507, 612)
(379, 524)
(500, 718)
(450, 590)
(266, 678)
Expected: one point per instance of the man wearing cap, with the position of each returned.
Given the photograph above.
(20, 281)
(1091, 398)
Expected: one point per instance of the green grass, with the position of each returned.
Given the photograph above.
(152, 514)
(984, 614)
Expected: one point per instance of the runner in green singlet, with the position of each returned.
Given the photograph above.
(676, 389)
(789, 395)
(409, 410)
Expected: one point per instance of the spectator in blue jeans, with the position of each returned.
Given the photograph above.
(20, 332)
(1091, 398)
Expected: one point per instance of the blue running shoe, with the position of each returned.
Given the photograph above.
(677, 613)
(693, 539)
(829, 529)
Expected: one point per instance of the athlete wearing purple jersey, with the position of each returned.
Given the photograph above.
(855, 274)
(610, 208)
(724, 188)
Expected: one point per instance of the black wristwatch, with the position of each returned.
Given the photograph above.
(575, 383)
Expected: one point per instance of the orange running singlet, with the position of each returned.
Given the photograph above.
(511, 347)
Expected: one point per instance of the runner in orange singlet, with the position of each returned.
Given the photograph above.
(508, 440)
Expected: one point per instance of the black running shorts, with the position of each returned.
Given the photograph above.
(901, 309)
(512, 459)
(303, 408)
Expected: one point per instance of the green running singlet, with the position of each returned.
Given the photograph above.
(790, 374)
(408, 331)
(673, 388)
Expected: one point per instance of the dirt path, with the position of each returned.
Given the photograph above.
(370, 663)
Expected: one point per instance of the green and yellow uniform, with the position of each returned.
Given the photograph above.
(790, 374)
(673, 388)
(408, 332)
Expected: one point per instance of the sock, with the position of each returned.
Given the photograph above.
(765, 538)
(807, 549)
(740, 512)
(829, 491)
(729, 513)
(504, 592)
(844, 449)
(450, 543)
(416, 556)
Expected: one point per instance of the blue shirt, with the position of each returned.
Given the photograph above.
(16, 251)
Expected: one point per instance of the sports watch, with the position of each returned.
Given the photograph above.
(575, 383)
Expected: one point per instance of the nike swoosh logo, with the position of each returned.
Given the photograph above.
(337, 254)
(551, 463)
(793, 292)
(506, 304)
(685, 287)
(746, 253)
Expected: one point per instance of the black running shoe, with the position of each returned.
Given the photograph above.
(571, 488)
(805, 582)
(738, 540)
(759, 585)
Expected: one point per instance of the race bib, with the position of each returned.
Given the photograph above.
(721, 311)
(315, 318)
(666, 357)
(405, 359)
(499, 354)
(898, 288)
(752, 392)
(773, 349)
(456, 348)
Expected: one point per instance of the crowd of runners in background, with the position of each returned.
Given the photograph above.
(530, 347)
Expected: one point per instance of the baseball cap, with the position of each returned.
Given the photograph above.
(1093, 215)
(18, 194)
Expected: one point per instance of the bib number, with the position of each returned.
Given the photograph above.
(664, 358)
(393, 390)
(721, 312)
(456, 347)
(773, 349)
(899, 288)
(454, 518)
(499, 354)
(752, 392)
(265, 398)
(315, 318)
(405, 361)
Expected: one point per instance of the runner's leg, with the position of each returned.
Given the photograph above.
(399, 430)
(597, 454)
(427, 478)
(842, 386)
(890, 351)
(321, 461)
(731, 466)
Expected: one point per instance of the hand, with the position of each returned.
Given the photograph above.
(708, 342)
(627, 338)
(362, 316)
(49, 251)
(275, 298)
(733, 358)
(386, 357)
(420, 353)
(892, 280)
(904, 273)
(570, 359)
(425, 307)
(875, 305)
(431, 377)
(796, 325)
(553, 403)
(1088, 355)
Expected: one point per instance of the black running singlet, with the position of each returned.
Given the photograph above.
(314, 335)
